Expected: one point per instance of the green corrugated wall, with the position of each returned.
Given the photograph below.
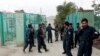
(76, 17)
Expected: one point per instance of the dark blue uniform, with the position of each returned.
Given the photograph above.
(28, 39)
(62, 32)
(64, 40)
(49, 30)
(76, 36)
(72, 36)
(67, 41)
(86, 37)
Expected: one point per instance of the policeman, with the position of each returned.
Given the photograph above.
(64, 41)
(86, 36)
(72, 35)
(40, 37)
(33, 36)
(49, 30)
(76, 35)
(67, 40)
(62, 32)
(44, 29)
(56, 32)
(29, 38)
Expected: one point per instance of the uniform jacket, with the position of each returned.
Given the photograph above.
(88, 34)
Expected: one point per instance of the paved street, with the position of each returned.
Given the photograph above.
(55, 50)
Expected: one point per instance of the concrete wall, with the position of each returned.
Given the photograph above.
(19, 28)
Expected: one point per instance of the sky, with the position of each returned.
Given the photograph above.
(46, 7)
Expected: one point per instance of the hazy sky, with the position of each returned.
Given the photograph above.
(48, 7)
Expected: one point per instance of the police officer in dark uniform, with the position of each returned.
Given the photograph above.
(64, 40)
(62, 32)
(49, 30)
(29, 38)
(72, 35)
(67, 40)
(86, 36)
(33, 35)
(76, 35)
(40, 37)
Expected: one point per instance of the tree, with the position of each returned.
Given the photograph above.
(80, 9)
(96, 8)
(64, 10)
(97, 14)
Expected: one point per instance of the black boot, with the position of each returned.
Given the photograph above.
(24, 50)
(30, 50)
(64, 52)
(46, 50)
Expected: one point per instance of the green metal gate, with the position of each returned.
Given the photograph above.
(1, 29)
(35, 19)
(9, 26)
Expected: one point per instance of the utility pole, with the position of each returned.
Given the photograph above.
(40, 11)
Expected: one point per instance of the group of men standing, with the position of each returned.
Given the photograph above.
(84, 36)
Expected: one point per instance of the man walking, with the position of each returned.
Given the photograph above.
(29, 38)
(40, 37)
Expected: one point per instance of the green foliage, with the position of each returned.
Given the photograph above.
(64, 10)
(96, 8)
